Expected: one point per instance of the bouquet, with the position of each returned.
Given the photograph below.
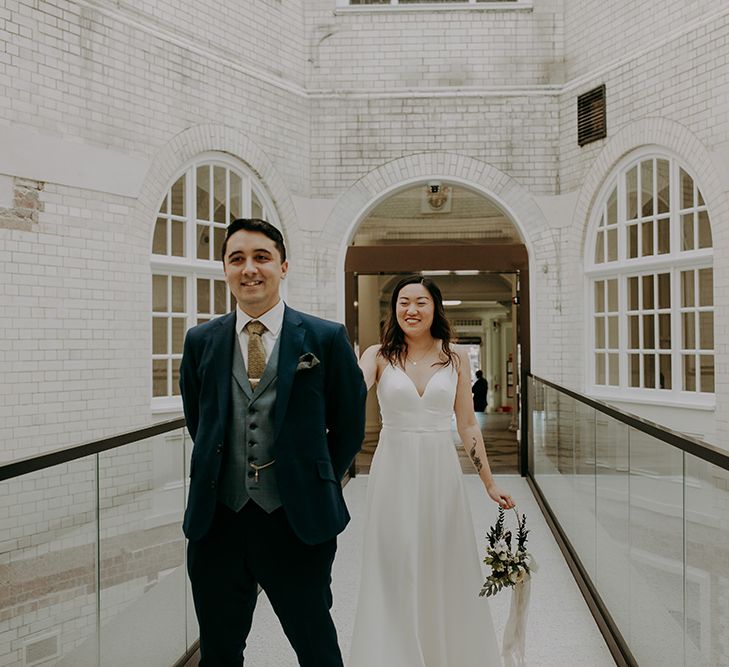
(508, 567)
(511, 567)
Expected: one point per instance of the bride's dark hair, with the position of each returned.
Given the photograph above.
(392, 338)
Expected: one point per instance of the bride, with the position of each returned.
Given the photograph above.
(418, 602)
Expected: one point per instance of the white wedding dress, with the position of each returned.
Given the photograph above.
(418, 599)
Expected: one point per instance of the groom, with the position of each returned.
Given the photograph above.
(274, 402)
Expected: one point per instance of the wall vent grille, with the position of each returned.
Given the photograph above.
(591, 116)
(39, 649)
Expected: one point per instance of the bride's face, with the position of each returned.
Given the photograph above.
(414, 310)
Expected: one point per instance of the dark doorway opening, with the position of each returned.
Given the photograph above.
(491, 279)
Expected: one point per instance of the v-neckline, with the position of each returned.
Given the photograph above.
(412, 382)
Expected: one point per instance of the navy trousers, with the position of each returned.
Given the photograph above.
(247, 548)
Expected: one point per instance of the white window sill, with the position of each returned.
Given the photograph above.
(519, 5)
(691, 402)
(171, 405)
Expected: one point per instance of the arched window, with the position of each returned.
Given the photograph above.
(649, 268)
(188, 286)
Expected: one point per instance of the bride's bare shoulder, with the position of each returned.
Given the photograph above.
(461, 352)
(372, 352)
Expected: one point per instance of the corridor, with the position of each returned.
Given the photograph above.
(561, 632)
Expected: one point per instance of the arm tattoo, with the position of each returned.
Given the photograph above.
(476, 460)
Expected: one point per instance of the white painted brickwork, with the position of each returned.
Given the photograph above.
(99, 78)
(467, 47)
(597, 33)
(517, 134)
(163, 82)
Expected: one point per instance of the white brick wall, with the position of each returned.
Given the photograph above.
(462, 48)
(315, 100)
(598, 33)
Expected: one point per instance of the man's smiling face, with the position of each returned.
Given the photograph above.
(253, 271)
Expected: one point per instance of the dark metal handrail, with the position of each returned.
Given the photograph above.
(58, 456)
(693, 446)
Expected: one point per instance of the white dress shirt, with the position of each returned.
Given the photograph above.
(272, 320)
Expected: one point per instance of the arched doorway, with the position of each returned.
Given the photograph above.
(475, 253)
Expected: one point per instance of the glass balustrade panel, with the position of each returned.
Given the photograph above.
(562, 500)
(142, 552)
(656, 566)
(706, 489)
(583, 535)
(546, 442)
(613, 517)
(193, 632)
(48, 546)
(535, 430)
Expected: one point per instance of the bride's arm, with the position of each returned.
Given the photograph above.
(368, 364)
(470, 432)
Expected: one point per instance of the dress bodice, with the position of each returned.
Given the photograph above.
(403, 408)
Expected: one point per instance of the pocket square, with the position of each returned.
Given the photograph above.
(307, 360)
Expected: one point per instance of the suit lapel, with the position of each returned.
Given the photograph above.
(222, 358)
(291, 342)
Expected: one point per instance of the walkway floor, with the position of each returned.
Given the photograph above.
(561, 630)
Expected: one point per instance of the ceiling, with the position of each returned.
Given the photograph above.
(453, 214)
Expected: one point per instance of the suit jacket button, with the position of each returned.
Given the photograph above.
(212, 484)
(219, 449)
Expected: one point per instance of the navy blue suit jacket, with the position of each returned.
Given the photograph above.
(319, 420)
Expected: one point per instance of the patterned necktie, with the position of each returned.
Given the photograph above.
(256, 352)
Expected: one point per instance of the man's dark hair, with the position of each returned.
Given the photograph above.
(255, 225)
(479, 374)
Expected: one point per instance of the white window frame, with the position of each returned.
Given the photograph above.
(394, 5)
(673, 262)
(189, 266)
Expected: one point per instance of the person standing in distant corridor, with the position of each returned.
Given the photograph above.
(479, 390)
(275, 404)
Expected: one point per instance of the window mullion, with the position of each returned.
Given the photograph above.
(697, 330)
(622, 216)
(246, 200)
(624, 331)
(211, 210)
(675, 247)
(192, 300)
(226, 217)
(168, 350)
(191, 214)
(211, 296)
(655, 210)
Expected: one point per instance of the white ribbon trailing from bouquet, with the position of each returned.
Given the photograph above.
(514, 644)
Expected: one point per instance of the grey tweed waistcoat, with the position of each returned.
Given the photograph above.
(249, 438)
